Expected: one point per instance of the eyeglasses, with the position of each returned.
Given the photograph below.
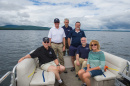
(94, 45)
(46, 42)
(83, 40)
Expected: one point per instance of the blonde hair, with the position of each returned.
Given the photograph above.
(95, 42)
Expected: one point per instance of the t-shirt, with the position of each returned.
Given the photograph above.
(83, 51)
(67, 30)
(76, 37)
(56, 35)
(96, 59)
(44, 55)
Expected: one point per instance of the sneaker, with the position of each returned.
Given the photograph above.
(76, 75)
(62, 84)
(73, 69)
(65, 71)
(83, 85)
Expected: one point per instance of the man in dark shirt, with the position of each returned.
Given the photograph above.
(81, 55)
(75, 35)
(47, 59)
(67, 29)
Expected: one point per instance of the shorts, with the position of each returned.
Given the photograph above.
(47, 65)
(72, 50)
(94, 72)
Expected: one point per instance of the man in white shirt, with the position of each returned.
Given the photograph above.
(57, 40)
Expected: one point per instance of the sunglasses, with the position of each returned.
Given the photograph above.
(46, 42)
(94, 45)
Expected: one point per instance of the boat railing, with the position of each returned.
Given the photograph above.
(13, 77)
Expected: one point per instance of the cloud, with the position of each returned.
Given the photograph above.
(94, 14)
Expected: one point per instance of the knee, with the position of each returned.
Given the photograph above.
(79, 72)
(84, 76)
(62, 68)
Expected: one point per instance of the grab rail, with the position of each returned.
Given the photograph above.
(5, 76)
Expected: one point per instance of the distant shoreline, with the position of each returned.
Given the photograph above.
(83, 30)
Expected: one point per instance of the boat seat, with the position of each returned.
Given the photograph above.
(41, 78)
(107, 76)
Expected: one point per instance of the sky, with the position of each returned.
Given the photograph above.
(93, 14)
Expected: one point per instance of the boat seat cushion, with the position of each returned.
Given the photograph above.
(41, 77)
(108, 76)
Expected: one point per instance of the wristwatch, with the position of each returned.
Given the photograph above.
(58, 65)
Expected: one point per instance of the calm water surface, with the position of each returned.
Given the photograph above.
(15, 44)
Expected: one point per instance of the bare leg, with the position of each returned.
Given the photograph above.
(86, 78)
(62, 69)
(55, 71)
(80, 74)
(73, 59)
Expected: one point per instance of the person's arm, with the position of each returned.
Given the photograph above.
(69, 42)
(64, 44)
(27, 56)
(50, 42)
(56, 61)
(50, 36)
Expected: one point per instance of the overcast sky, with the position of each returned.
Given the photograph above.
(93, 14)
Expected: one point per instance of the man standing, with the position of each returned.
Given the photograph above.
(47, 60)
(81, 55)
(76, 35)
(67, 29)
(57, 40)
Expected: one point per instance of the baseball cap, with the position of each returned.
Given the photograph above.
(45, 39)
(56, 20)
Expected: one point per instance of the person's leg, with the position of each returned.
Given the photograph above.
(55, 71)
(60, 53)
(53, 45)
(84, 64)
(80, 74)
(77, 68)
(86, 78)
(62, 69)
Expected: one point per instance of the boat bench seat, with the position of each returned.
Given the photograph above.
(115, 65)
(41, 78)
(28, 74)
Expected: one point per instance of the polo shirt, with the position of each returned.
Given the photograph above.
(67, 30)
(76, 37)
(44, 55)
(83, 51)
(56, 35)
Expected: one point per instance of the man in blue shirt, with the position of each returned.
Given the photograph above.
(67, 29)
(76, 35)
(81, 55)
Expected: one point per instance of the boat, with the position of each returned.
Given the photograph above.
(28, 73)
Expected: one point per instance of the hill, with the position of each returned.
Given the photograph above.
(22, 27)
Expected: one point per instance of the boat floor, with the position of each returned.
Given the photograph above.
(70, 79)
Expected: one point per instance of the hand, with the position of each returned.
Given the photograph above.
(77, 62)
(20, 60)
(58, 67)
(85, 59)
(63, 48)
(88, 69)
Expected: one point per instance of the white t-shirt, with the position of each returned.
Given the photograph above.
(56, 35)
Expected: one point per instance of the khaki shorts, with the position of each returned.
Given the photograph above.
(47, 65)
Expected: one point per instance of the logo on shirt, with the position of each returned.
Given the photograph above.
(50, 52)
(86, 48)
(68, 30)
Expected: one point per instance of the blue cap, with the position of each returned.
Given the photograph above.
(56, 20)
(45, 39)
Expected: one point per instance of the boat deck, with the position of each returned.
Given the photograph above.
(70, 79)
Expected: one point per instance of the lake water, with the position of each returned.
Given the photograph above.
(15, 44)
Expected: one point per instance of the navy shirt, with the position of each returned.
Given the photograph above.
(76, 37)
(83, 51)
(67, 30)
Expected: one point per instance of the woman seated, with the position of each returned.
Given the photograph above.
(95, 64)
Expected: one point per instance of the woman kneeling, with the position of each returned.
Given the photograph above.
(95, 64)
